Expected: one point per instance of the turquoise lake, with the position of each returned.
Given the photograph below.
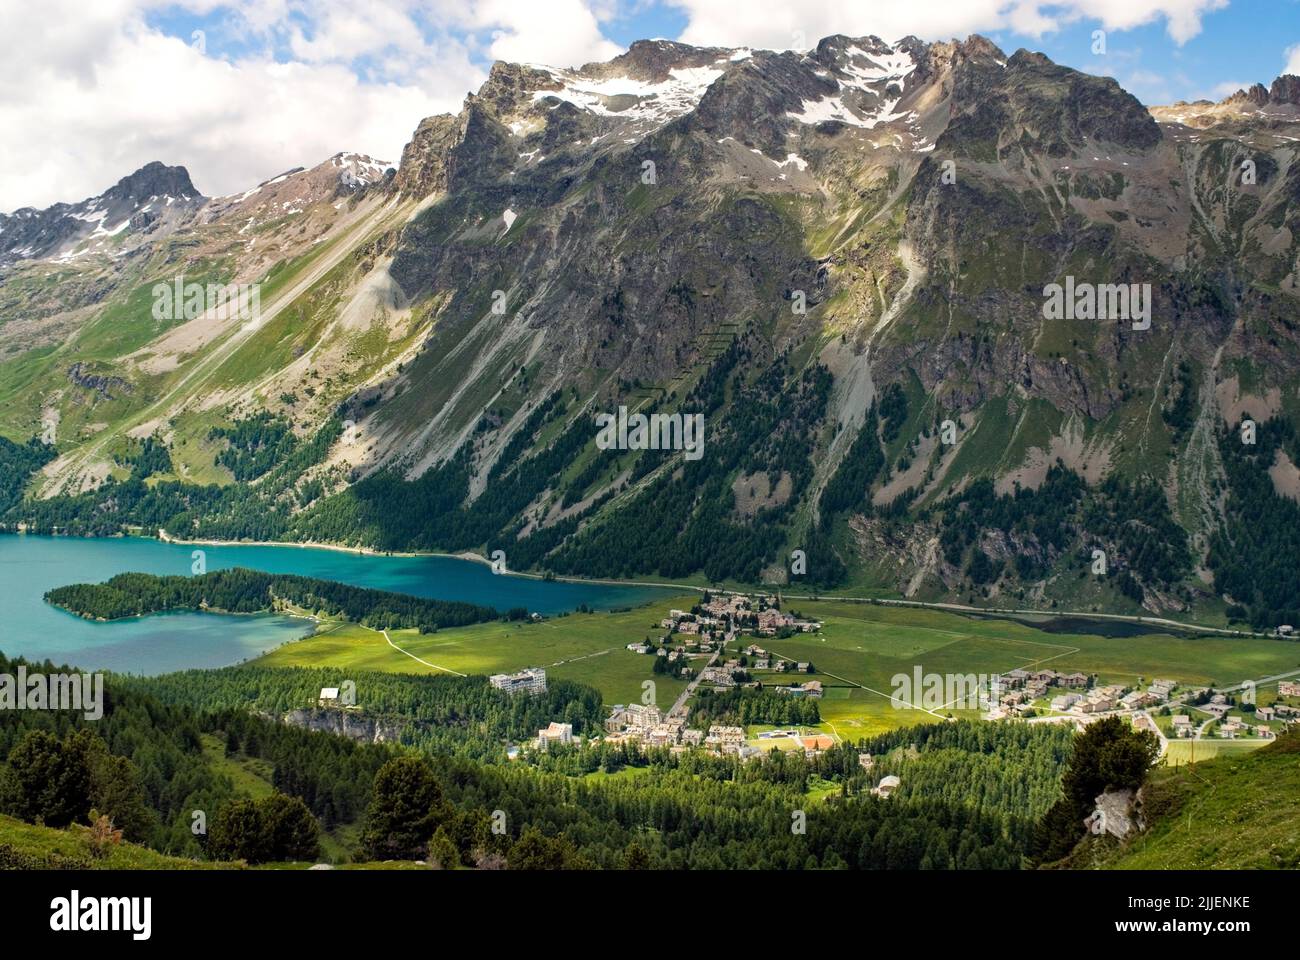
(31, 565)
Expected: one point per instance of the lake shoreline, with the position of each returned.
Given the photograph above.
(470, 555)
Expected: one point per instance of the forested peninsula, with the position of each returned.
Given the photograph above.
(239, 590)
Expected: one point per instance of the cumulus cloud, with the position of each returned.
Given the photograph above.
(1292, 55)
(91, 92)
(779, 24)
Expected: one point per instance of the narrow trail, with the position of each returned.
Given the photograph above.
(417, 659)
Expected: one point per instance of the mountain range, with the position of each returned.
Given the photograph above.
(841, 259)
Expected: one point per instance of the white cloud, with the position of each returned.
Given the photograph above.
(1292, 54)
(779, 24)
(91, 92)
(1227, 88)
(560, 33)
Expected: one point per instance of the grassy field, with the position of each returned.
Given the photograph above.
(588, 647)
(1182, 752)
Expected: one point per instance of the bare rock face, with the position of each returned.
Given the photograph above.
(345, 723)
(1285, 89)
(1117, 813)
(423, 168)
(1256, 94)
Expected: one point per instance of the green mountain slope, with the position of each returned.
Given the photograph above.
(839, 260)
(1229, 813)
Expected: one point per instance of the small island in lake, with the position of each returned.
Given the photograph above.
(239, 590)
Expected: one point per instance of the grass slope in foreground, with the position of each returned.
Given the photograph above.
(26, 846)
(1235, 812)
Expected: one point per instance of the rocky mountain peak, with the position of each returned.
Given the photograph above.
(154, 179)
(1257, 94)
(136, 206)
(1285, 89)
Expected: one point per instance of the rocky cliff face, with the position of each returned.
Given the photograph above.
(346, 723)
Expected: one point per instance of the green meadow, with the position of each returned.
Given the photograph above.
(1181, 752)
(586, 647)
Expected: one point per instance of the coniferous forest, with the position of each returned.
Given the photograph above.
(973, 791)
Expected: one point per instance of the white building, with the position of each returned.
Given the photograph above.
(529, 681)
(554, 733)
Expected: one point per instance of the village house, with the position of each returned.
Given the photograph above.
(1265, 713)
(1065, 701)
(1138, 700)
(554, 733)
(718, 676)
(636, 719)
(1289, 688)
(813, 688)
(1095, 705)
(770, 621)
(1182, 725)
(662, 736)
(720, 735)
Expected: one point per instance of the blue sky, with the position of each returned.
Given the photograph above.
(1242, 42)
(91, 92)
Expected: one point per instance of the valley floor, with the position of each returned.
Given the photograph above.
(858, 654)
